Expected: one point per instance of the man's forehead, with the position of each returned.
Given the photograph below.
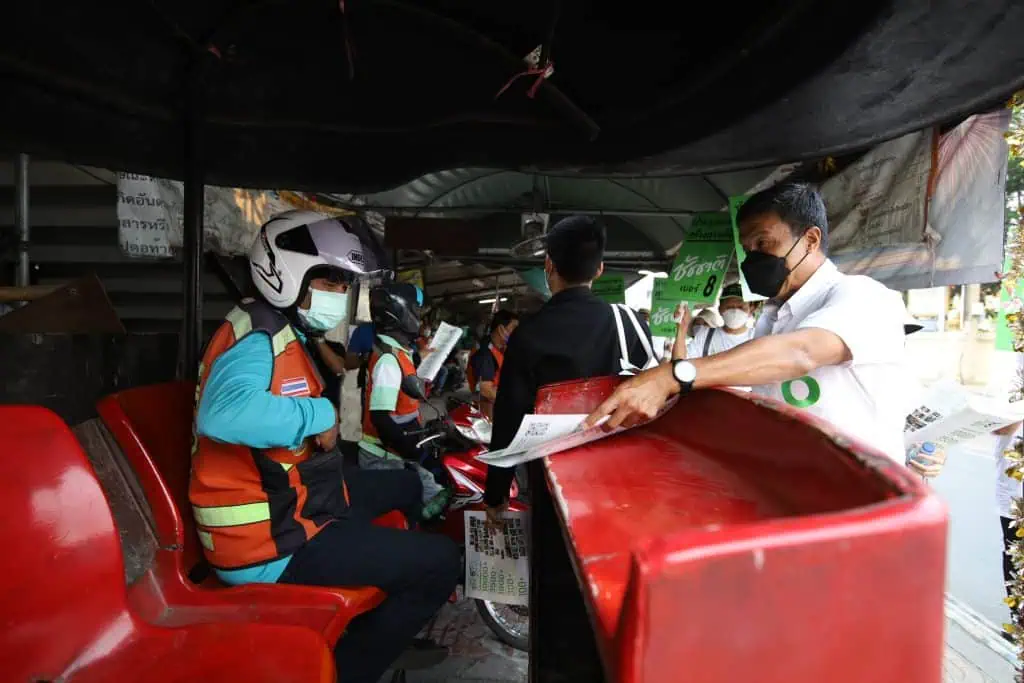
(765, 224)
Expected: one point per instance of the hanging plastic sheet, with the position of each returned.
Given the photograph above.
(883, 223)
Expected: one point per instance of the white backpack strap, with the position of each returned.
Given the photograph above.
(624, 358)
(651, 360)
(623, 349)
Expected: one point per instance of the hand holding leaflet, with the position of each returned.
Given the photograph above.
(441, 345)
(543, 435)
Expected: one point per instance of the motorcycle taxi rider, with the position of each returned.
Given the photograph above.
(271, 501)
(391, 412)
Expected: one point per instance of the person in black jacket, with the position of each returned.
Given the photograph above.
(573, 336)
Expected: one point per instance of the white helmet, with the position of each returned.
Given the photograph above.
(295, 246)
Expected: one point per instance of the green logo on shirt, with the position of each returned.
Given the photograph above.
(813, 392)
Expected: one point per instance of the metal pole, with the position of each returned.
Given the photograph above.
(21, 217)
(477, 211)
(192, 243)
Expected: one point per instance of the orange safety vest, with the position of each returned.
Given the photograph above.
(486, 407)
(252, 505)
(499, 358)
(407, 405)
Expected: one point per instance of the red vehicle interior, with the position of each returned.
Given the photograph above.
(65, 612)
(737, 539)
(720, 540)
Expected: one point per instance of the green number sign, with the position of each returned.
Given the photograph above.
(807, 393)
(664, 300)
(700, 266)
(611, 288)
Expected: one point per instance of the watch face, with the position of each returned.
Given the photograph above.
(684, 372)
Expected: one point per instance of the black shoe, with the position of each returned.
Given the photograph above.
(421, 654)
(1008, 637)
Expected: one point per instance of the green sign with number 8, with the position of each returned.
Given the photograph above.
(702, 261)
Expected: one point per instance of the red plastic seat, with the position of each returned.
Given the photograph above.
(153, 427)
(65, 613)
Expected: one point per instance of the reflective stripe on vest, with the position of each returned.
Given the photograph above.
(232, 515)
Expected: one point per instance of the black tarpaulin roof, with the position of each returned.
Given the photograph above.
(363, 95)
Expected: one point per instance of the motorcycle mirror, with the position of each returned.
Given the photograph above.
(414, 386)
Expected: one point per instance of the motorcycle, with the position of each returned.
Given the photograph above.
(454, 441)
(476, 428)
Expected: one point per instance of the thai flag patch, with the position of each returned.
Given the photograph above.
(296, 386)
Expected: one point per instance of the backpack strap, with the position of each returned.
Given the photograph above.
(707, 341)
(644, 342)
(624, 363)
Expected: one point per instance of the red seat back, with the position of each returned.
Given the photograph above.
(153, 427)
(63, 577)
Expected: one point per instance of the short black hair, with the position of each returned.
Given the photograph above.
(799, 205)
(576, 247)
(501, 317)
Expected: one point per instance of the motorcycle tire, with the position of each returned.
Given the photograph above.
(518, 641)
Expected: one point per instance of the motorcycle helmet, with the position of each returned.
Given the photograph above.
(295, 247)
(396, 307)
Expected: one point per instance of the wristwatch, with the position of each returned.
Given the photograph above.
(685, 373)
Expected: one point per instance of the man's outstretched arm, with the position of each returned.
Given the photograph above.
(762, 361)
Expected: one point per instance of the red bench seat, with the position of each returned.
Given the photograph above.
(153, 427)
(65, 612)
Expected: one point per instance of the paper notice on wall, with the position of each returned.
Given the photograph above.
(880, 199)
(949, 415)
(441, 345)
(144, 216)
(150, 210)
(497, 565)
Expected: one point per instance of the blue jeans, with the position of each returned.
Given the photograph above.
(439, 381)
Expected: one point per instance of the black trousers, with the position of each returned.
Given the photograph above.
(417, 570)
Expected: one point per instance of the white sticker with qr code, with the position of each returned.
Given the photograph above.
(497, 566)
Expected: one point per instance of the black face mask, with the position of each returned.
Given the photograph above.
(766, 273)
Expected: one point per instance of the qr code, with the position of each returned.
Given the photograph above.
(537, 429)
(921, 418)
(482, 540)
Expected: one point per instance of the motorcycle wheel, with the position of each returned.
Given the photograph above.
(510, 623)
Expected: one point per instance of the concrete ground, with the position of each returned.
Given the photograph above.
(477, 657)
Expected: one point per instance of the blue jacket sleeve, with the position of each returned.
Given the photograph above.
(362, 340)
(237, 408)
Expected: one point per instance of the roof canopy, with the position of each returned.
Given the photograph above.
(647, 214)
(366, 94)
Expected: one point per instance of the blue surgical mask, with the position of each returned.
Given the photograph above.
(326, 310)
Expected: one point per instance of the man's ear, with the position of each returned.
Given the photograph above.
(813, 238)
(549, 266)
(600, 270)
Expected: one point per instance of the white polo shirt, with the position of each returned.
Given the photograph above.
(866, 397)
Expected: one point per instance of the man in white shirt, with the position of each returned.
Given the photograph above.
(828, 343)
(708, 340)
